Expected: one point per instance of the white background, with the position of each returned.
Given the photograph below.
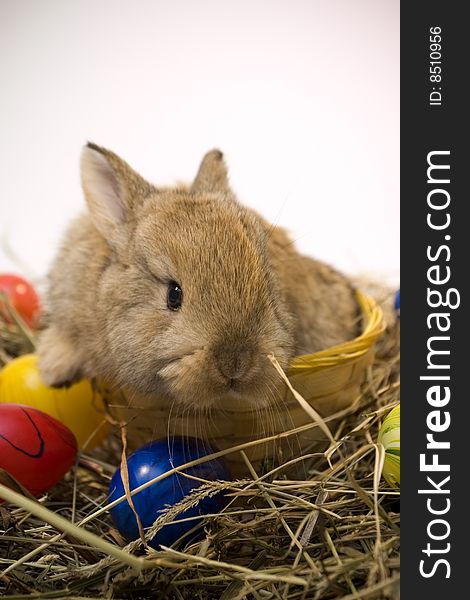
(301, 95)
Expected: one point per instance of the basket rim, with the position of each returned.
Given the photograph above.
(346, 351)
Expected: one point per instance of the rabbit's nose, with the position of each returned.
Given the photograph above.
(233, 362)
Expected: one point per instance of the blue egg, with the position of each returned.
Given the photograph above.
(397, 302)
(152, 460)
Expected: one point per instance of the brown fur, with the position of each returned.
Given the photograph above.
(246, 291)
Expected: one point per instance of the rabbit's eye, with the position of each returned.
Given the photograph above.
(174, 296)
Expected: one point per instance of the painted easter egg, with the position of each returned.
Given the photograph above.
(35, 448)
(78, 407)
(396, 303)
(152, 460)
(22, 296)
(389, 436)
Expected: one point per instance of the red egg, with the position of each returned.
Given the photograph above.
(22, 297)
(34, 447)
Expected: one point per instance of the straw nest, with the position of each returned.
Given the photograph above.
(331, 533)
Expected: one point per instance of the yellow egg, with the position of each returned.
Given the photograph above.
(78, 407)
(389, 436)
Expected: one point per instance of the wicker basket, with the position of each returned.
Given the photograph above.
(329, 380)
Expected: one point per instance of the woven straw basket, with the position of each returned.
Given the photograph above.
(328, 380)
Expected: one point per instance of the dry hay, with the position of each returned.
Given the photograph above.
(332, 534)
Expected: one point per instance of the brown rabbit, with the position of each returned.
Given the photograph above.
(183, 292)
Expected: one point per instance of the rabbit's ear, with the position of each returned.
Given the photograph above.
(212, 175)
(112, 189)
